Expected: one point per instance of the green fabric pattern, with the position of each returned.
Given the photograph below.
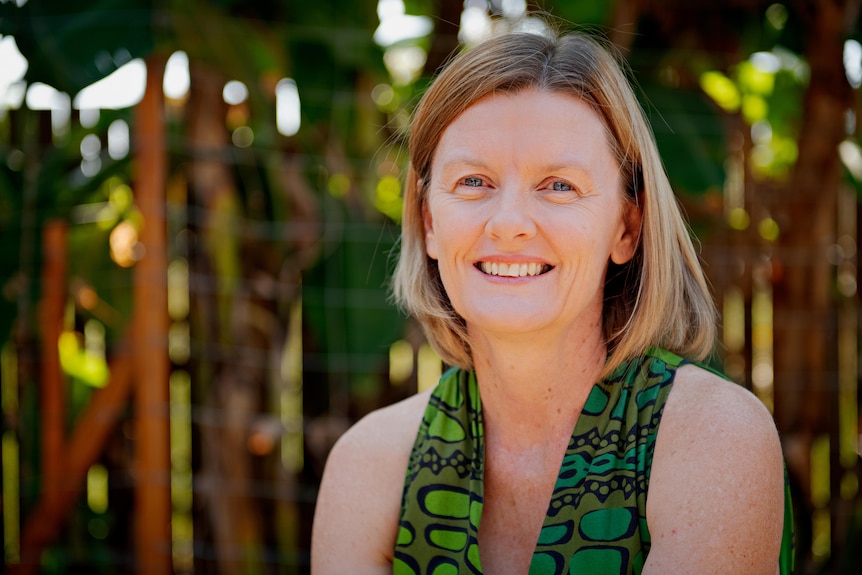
(596, 519)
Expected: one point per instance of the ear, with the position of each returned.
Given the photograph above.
(628, 241)
(430, 237)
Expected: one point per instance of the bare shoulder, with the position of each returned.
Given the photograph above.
(356, 518)
(388, 428)
(716, 494)
(701, 396)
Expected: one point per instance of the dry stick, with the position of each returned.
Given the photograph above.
(94, 428)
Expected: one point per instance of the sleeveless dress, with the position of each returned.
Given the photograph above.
(596, 519)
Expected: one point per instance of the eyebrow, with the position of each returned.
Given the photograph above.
(463, 159)
(568, 166)
(468, 159)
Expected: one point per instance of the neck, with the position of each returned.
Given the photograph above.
(534, 387)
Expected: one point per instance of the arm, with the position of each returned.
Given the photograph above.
(716, 493)
(356, 518)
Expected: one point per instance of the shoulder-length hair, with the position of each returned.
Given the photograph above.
(660, 298)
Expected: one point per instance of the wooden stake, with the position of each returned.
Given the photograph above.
(52, 383)
(150, 328)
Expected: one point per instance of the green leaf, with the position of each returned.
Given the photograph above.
(584, 12)
(345, 299)
(721, 89)
(754, 80)
(690, 137)
(71, 45)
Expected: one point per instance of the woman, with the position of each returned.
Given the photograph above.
(546, 258)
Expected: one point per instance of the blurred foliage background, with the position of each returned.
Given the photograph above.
(199, 208)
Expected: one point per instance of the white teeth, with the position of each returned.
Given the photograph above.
(512, 270)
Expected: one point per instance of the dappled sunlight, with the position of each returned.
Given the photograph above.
(118, 140)
(176, 80)
(721, 89)
(10, 453)
(12, 87)
(123, 88)
(853, 62)
(290, 400)
(400, 362)
(405, 63)
(125, 248)
(429, 368)
(288, 116)
(388, 197)
(235, 92)
(82, 363)
(43, 97)
(762, 376)
(396, 26)
(97, 488)
(182, 493)
(475, 23)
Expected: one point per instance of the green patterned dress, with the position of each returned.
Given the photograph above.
(596, 520)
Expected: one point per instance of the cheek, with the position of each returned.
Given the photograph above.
(443, 230)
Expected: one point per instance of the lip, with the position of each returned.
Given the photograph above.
(529, 268)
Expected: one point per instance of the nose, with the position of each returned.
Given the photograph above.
(510, 217)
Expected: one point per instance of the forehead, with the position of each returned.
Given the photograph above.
(532, 126)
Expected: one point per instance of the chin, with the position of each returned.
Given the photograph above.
(509, 320)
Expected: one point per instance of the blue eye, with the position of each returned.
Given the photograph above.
(473, 182)
(561, 187)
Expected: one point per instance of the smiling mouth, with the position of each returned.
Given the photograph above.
(513, 270)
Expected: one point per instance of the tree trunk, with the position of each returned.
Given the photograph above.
(805, 320)
(228, 372)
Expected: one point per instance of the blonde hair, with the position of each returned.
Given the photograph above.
(658, 299)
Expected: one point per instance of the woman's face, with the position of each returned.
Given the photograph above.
(523, 212)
